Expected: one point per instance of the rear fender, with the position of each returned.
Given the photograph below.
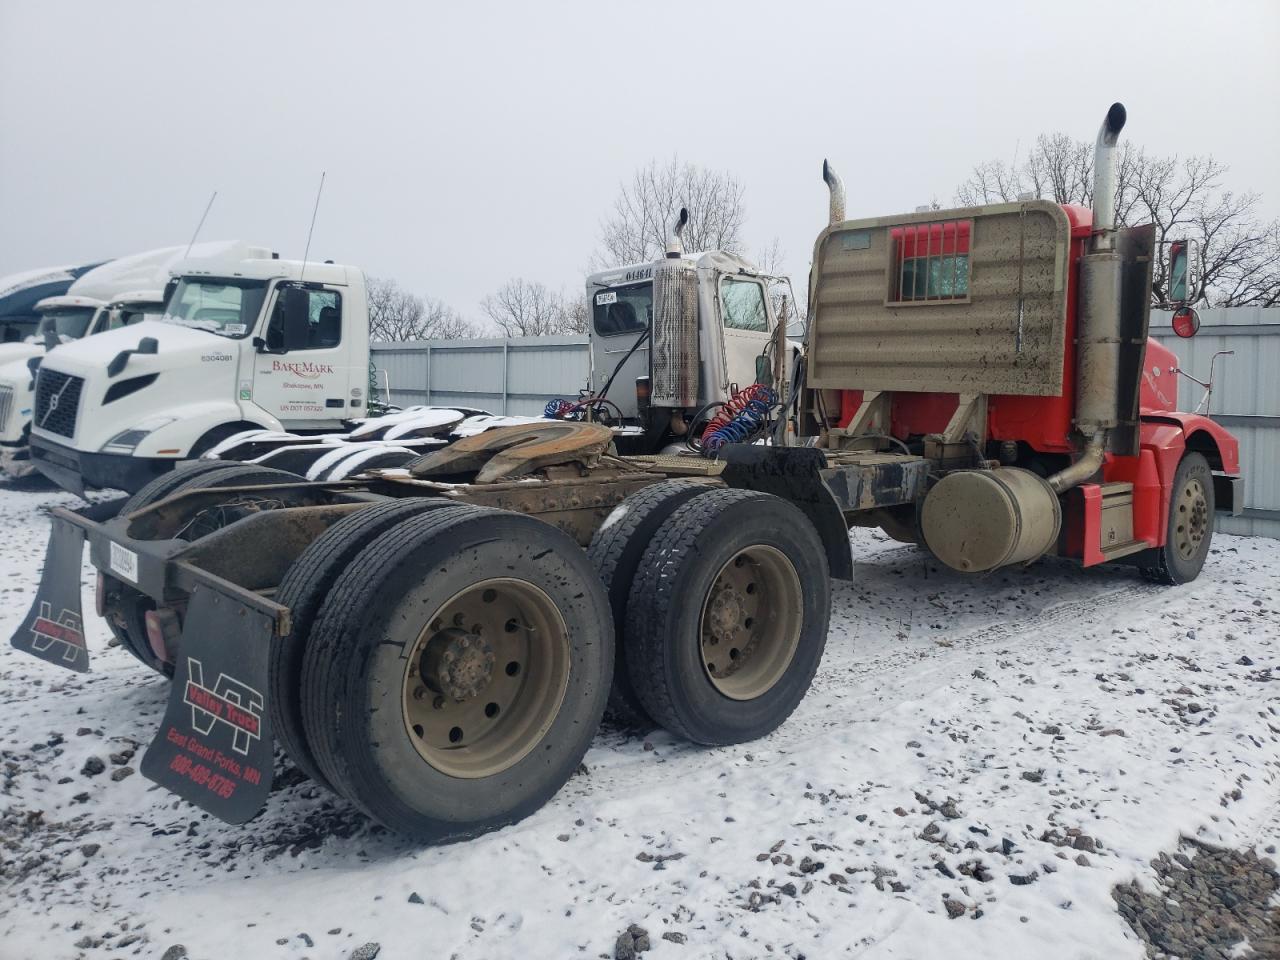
(795, 475)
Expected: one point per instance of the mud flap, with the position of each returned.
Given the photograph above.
(214, 748)
(54, 626)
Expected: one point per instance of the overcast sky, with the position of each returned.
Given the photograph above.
(467, 143)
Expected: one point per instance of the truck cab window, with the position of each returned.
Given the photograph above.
(324, 320)
(618, 310)
(743, 304)
(931, 262)
(128, 316)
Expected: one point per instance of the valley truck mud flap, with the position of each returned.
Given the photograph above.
(214, 748)
(53, 629)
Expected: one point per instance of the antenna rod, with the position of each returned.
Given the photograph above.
(314, 211)
(199, 225)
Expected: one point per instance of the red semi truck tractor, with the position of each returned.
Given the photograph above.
(439, 642)
(1008, 346)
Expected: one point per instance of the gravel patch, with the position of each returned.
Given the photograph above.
(1212, 904)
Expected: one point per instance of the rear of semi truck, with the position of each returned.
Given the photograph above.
(438, 643)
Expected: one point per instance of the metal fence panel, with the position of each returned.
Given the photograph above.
(515, 375)
(1246, 399)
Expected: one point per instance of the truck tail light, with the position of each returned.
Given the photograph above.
(162, 630)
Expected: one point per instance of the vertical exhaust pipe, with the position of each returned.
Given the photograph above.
(675, 246)
(836, 186)
(1098, 322)
(1104, 178)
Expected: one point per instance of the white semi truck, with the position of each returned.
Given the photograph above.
(670, 392)
(249, 342)
(277, 351)
(115, 294)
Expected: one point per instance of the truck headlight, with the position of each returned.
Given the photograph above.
(125, 441)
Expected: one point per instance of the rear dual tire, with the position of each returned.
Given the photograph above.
(304, 589)
(727, 616)
(504, 583)
(616, 551)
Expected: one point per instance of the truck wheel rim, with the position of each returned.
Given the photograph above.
(750, 624)
(1191, 519)
(486, 678)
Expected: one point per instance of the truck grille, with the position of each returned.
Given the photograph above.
(57, 402)
(6, 407)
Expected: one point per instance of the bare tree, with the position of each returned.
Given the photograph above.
(638, 228)
(1238, 255)
(526, 308)
(395, 314)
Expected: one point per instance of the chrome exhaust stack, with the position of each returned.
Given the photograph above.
(1098, 324)
(836, 186)
(1104, 178)
(675, 246)
(674, 354)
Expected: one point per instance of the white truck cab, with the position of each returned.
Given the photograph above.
(252, 343)
(669, 338)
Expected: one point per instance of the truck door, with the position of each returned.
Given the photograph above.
(300, 373)
(746, 327)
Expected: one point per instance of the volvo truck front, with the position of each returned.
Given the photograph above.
(252, 343)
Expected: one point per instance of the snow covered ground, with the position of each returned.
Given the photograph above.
(979, 762)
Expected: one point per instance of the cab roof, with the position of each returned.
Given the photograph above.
(67, 301)
(263, 269)
(150, 269)
(720, 260)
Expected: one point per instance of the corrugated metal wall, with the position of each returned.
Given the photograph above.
(1246, 399)
(510, 376)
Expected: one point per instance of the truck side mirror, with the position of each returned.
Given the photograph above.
(1179, 271)
(296, 332)
(1186, 322)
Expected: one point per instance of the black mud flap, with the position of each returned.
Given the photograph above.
(54, 627)
(795, 475)
(214, 748)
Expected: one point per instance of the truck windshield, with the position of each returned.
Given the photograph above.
(70, 323)
(618, 310)
(228, 307)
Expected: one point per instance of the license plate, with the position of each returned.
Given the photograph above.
(124, 562)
